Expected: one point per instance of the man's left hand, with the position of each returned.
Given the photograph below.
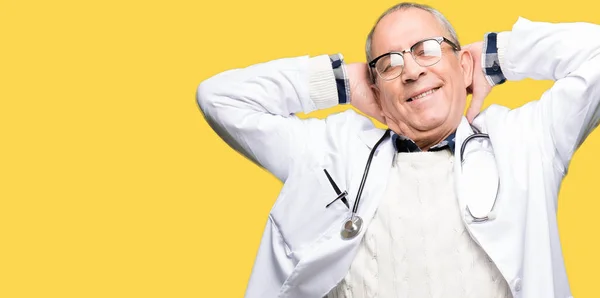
(480, 87)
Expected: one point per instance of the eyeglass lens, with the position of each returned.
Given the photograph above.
(425, 53)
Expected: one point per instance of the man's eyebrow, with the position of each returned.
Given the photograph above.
(398, 49)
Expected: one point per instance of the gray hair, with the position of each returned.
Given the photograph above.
(405, 5)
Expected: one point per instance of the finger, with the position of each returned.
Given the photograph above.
(475, 107)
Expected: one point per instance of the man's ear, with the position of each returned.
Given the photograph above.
(377, 96)
(466, 64)
(376, 93)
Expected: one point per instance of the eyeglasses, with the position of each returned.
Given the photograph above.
(425, 52)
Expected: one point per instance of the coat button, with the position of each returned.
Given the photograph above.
(518, 285)
(495, 67)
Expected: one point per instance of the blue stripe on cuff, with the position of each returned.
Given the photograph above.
(341, 90)
(492, 63)
(336, 63)
(341, 79)
(492, 47)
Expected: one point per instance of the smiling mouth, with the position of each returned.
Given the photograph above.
(423, 94)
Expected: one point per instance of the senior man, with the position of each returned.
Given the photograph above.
(438, 205)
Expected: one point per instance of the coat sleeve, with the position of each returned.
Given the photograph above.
(568, 54)
(253, 109)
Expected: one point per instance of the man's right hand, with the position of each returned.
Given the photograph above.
(480, 87)
(362, 96)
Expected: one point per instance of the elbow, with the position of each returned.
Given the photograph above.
(204, 94)
(212, 89)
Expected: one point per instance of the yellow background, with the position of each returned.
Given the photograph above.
(113, 185)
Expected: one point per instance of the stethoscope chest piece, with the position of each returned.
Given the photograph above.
(351, 227)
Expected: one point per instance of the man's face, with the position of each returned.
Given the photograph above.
(435, 114)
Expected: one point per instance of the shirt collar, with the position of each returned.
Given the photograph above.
(405, 144)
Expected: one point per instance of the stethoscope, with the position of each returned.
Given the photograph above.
(487, 164)
(353, 224)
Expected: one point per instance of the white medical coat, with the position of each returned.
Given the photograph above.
(301, 252)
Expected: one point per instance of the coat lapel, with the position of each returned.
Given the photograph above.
(327, 264)
(500, 236)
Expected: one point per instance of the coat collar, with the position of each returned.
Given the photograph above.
(371, 136)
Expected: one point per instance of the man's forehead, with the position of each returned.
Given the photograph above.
(401, 29)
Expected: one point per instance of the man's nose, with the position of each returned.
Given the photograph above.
(412, 70)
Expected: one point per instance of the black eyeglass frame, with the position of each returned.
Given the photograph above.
(439, 40)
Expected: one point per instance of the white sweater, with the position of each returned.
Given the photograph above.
(416, 245)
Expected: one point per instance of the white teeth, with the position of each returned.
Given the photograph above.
(423, 94)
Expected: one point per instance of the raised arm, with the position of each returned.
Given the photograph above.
(253, 109)
(566, 53)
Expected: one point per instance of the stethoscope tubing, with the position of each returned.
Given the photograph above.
(467, 139)
(366, 172)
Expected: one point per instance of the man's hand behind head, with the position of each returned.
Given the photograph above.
(479, 87)
(361, 91)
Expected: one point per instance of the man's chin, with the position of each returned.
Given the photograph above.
(429, 124)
